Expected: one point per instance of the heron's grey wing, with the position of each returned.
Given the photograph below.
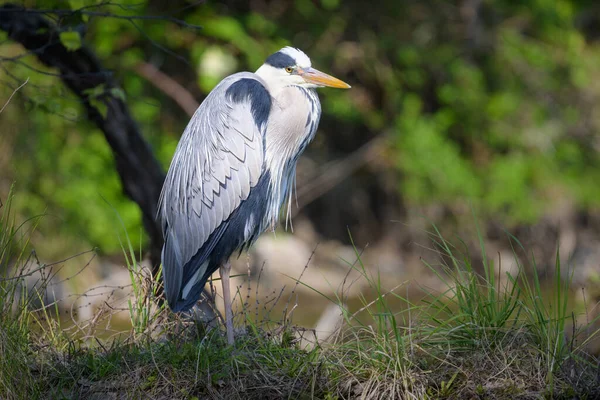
(218, 160)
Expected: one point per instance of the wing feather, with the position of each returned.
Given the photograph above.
(218, 160)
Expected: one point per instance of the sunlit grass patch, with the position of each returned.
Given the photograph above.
(489, 333)
(16, 320)
(256, 367)
(485, 335)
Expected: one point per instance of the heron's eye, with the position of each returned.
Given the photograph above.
(289, 70)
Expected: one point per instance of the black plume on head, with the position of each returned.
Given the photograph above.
(280, 60)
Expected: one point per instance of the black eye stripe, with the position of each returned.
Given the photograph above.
(280, 60)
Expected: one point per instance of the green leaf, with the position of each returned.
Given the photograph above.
(96, 91)
(71, 40)
(330, 4)
(118, 93)
(78, 5)
(100, 106)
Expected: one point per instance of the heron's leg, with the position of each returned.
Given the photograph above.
(224, 272)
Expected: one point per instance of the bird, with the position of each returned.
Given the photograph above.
(233, 170)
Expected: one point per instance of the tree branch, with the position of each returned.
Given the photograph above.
(168, 86)
(334, 172)
(141, 174)
(82, 11)
(13, 93)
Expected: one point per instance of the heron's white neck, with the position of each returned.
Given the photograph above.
(292, 125)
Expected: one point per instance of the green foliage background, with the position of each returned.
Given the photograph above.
(488, 102)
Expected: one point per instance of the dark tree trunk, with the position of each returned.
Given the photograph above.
(141, 174)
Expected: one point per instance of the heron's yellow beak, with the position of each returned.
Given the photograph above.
(319, 78)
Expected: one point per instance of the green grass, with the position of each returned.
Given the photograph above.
(487, 335)
(16, 376)
(144, 309)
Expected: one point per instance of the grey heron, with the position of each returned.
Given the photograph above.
(233, 170)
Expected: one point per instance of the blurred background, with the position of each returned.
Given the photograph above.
(460, 113)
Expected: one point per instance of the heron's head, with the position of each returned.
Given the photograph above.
(290, 66)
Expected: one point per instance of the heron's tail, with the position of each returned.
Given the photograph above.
(192, 289)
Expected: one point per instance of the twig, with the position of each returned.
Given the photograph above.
(13, 93)
(256, 295)
(285, 313)
(158, 45)
(168, 86)
(129, 18)
(336, 171)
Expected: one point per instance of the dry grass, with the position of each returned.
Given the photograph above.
(510, 368)
(479, 339)
(205, 368)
